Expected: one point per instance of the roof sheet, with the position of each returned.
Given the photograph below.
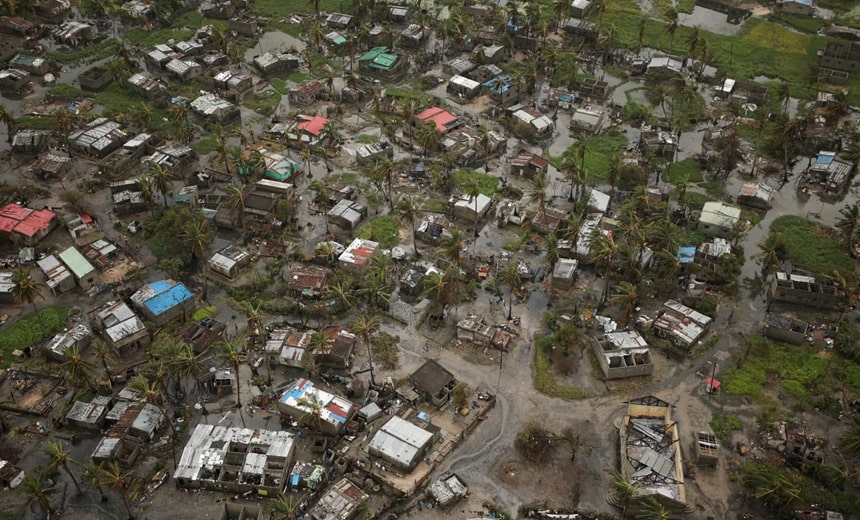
(313, 125)
(76, 262)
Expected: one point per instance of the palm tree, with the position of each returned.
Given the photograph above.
(25, 289)
(407, 209)
(510, 276)
(365, 326)
(60, 457)
(651, 509)
(771, 254)
(849, 223)
(381, 174)
(92, 474)
(640, 34)
(162, 180)
(151, 392)
(561, 9)
(551, 256)
(254, 320)
(572, 173)
(236, 200)
(113, 476)
(230, 351)
(623, 492)
(103, 354)
(537, 193)
(147, 193)
(223, 152)
(142, 112)
(197, 236)
(77, 367)
(284, 507)
(774, 487)
(626, 298)
(484, 142)
(37, 492)
(851, 440)
(8, 119)
(474, 191)
(673, 25)
(428, 137)
(604, 252)
(434, 287)
(784, 93)
(452, 246)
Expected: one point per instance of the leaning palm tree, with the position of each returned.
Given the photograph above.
(849, 223)
(36, 491)
(151, 391)
(651, 509)
(114, 477)
(623, 492)
(510, 276)
(435, 287)
(407, 212)
(254, 320)
(236, 200)
(551, 256)
(365, 326)
(851, 440)
(342, 294)
(771, 254)
(103, 354)
(604, 252)
(60, 457)
(230, 351)
(91, 474)
(473, 190)
(428, 137)
(284, 507)
(537, 192)
(626, 298)
(147, 192)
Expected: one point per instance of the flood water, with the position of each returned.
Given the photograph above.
(274, 41)
(707, 19)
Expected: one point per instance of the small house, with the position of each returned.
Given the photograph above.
(338, 354)
(98, 138)
(379, 60)
(229, 261)
(548, 220)
(24, 225)
(95, 78)
(306, 282)
(719, 219)
(681, 325)
(31, 141)
(623, 354)
(501, 89)
(433, 382)
(538, 125)
(798, 7)
(74, 33)
(414, 35)
(785, 328)
(658, 141)
(57, 276)
(582, 30)
(756, 195)
(338, 21)
(707, 449)
(461, 87)
(564, 274)
(304, 398)
(51, 166)
(15, 80)
(528, 165)
(77, 337)
(32, 64)
(163, 301)
(432, 228)
(269, 63)
(372, 152)
(468, 208)
(306, 92)
(341, 501)
(400, 443)
(119, 326)
(85, 274)
(87, 415)
(588, 119)
(347, 214)
(831, 171)
(356, 258)
(580, 8)
(144, 84)
(806, 290)
(398, 13)
(475, 330)
(216, 110)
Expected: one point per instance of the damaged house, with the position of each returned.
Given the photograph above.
(623, 354)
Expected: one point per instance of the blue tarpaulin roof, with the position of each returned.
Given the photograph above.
(686, 254)
(167, 297)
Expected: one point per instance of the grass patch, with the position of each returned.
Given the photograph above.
(802, 373)
(367, 139)
(597, 152)
(696, 200)
(466, 177)
(119, 100)
(97, 51)
(804, 24)
(808, 247)
(65, 90)
(384, 229)
(280, 9)
(206, 145)
(544, 381)
(280, 85)
(435, 205)
(31, 330)
(687, 169)
(761, 48)
(408, 93)
(204, 312)
(685, 6)
(298, 77)
(724, 425)
(264, 103)
(35, 122)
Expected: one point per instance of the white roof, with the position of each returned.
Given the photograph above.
(464, 82)
(209, 104)
(359, 251)
(465, 201)
(598, 200)
(719, 214)
(400, 440)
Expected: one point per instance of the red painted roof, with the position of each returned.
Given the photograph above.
(15, 211)
(37, 221)
(312, 124)
(440, 116)
(86, 219)
(7, 224)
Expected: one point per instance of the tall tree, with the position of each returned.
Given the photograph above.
(78, 368)
(8, 119)
(151, 391)
(849, 223)
(114, 477)
(60, 457)
(407, 212)
(771, 254)
(672, 25)
(510, 276)
(452, 246)
(626, 298)
(147, 192)
(37, 492)
(197, 236)
(91, 474)
(366, 326)
(162, 180)
(428, 137)
(25, 288)
(474, 192)
(230, 351)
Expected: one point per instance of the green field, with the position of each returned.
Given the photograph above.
(809, 248)
(31, 330)
(384, 229)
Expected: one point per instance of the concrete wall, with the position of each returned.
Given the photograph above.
(619, 372)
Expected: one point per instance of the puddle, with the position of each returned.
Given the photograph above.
(274, 41)
(709, 20)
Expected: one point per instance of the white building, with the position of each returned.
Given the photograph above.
(400, 443)
(319, 409)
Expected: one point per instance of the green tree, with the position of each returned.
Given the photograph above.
(849, 223)
(25, 288)
(623, 491)
(147, 192)
(452, 246)
(651, 509)
(407, 212)
(428, 137)
(771, 254)
(366, 326)
(510, 276)
(851, 440)
(37, 492)
(162, 180)
(78, 368)
(777, 489)
(551, 256)
(672, 25)
(474, 192)
(604, 253)
(197, 236)
(92, 474)
(8, 119)
(230, 351)
(114, 477)
(626, 298)
(284, 507)
(60, 457)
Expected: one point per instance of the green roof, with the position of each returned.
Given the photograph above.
(76, 262)
(380, 58)
(373, 53)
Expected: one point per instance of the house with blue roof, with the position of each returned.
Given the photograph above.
(163, 301)
(502, 89)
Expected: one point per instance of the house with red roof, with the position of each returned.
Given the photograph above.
(24, 225)
(308, 129)
(443, 119)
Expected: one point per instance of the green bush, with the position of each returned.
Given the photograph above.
(384, 229)
(466, 177)
(723, 425)
(808, 246)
